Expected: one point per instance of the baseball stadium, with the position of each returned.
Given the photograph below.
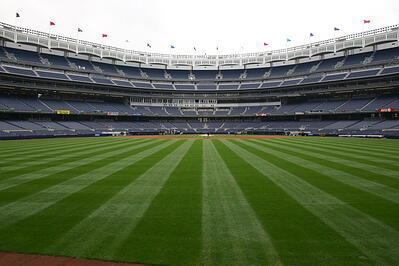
(119, 156)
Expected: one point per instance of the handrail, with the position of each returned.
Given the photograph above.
(208, 57)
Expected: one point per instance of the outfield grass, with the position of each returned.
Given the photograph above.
(293, 201)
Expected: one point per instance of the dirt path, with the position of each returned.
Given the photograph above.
(15, 259)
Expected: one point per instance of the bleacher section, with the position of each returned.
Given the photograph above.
(293, 74)
(10, 128)
(45, 105)
(47, 95)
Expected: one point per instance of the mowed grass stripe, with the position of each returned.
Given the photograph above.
(51, 159)
(171, 226)
(15, 157)
(76, 161)
(22, 146)
(340, 172)
(35, 152)
(374, 238)
(33, 204)
(31, 185)
(334, 157)
(382, 209)
(299, 237)
(34, 235)
(377, 146)
(366, 143)
(117, 216)
(124, 241)
(231, 233)
(48, 157)
(377, 158)
(344, 166)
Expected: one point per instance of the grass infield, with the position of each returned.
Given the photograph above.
(193, 200)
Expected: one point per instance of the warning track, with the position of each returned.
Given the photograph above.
(206, 137)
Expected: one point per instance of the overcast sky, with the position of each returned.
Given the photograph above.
(233, 26)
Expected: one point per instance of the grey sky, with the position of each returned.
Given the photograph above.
(205, 24)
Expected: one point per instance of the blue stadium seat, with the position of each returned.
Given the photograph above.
(386, 55)
(390, 70)
(329, 64)
(271, 84)
(245, 86)
(13, 103)
(142, 85)
(256, 73)
(228, 86)
(335, 77)
(279, 71)
(290, 82)
(106, 68)
(102, 81)
(3, 54)
(122, 83)
(206, 86)
(80, 78)
(184, 87)
(56, 60)
(52, 75)
(81, 64)
(231, 74)
(311, 80)
(205, 74)
(25, 56)
(365, 73)
(163, 86)
(130, 71)
(20, 71)
(179, 74)
(304, 68)
(357, 59)
(153, 73)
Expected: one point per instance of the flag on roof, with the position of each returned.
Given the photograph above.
(288, 40)
(311, 35)
(105, 35)
(172, 47)
(265, 44)
(17, 15)
(217, 47)
(335, 28)
(148, 45)
(195, 49)
(52, 23)
(80, 30)
(366, 21)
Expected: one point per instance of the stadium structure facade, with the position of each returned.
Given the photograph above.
(57, 86)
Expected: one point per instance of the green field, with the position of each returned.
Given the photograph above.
(292, 201)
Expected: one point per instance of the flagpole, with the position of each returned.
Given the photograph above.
(49, 39)
(335, 41)
(77, 41)
(363, 40)
(15, 28)
(286, 50)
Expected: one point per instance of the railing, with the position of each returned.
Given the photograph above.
(194, 57)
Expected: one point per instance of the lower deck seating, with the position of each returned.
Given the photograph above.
(25, 128)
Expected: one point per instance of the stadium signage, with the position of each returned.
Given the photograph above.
(386, 110)
(112, 113)
(63, 112)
